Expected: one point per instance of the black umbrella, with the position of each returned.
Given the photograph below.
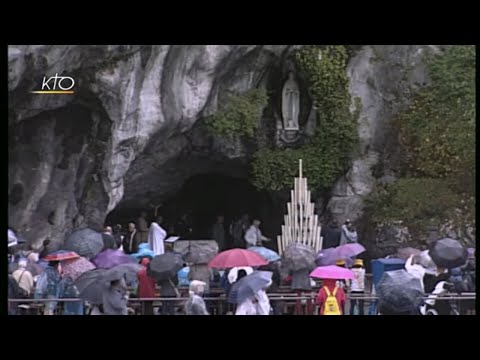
(398, 291)
(165, 266)
(90, 286)
(448, 253)
(85, 242)
(121, 271)
(299, 257)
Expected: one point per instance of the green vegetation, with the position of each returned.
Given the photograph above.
(326, 155)
(437, 132)
(239, 115)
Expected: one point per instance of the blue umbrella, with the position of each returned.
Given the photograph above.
(144, 251)
(249, 285)
(268, 254)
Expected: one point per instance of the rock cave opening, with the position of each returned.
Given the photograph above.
(205, 196)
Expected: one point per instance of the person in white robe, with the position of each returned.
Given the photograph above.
(262, 306)
(247, 307)
(415, 269)
(156, 236)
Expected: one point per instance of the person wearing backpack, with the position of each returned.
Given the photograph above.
(24, 279)
(331, 298)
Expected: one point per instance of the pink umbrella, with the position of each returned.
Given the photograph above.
(236, 258)
(348, 250)
(332, 272)
(76, 267)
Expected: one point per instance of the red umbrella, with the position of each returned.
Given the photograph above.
(236, 258)
(61, 255)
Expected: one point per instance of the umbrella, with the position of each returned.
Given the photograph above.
(110, 258)
(349, 250)
(299, 257)
(61, 255)
(90, 286)
(249, 285)
(326, 257)
(332, 272)
(85, 242)
(471, 252)
(406, 252)
(267, 253)
(399, 291)
(236, 258)
(448, 253)
(164, 266)
(144, 251)
(197, 251)
(76, 267)
(121, 271)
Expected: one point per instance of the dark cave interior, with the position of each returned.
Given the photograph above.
(205, 196)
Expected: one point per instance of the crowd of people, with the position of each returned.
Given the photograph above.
(145, 242)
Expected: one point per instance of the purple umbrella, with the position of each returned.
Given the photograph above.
(349, 250)
(110, 258)
(326, 257)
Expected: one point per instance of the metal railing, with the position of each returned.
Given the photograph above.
(216, 305)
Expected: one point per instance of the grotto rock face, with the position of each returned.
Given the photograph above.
(131, 134)
(72, 156)
(381, 77)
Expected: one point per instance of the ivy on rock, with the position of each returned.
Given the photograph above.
(326, 155)
(437, 131)
(239, 115)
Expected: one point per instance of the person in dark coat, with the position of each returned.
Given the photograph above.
(218, 233)
(142, 227)
(45, 249)
(131, 239)
(183, 228)
(117, 235)
(430, 281)
(108, 241)
(168, 289)
(331, 235)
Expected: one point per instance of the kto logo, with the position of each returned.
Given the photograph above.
(57, 85)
